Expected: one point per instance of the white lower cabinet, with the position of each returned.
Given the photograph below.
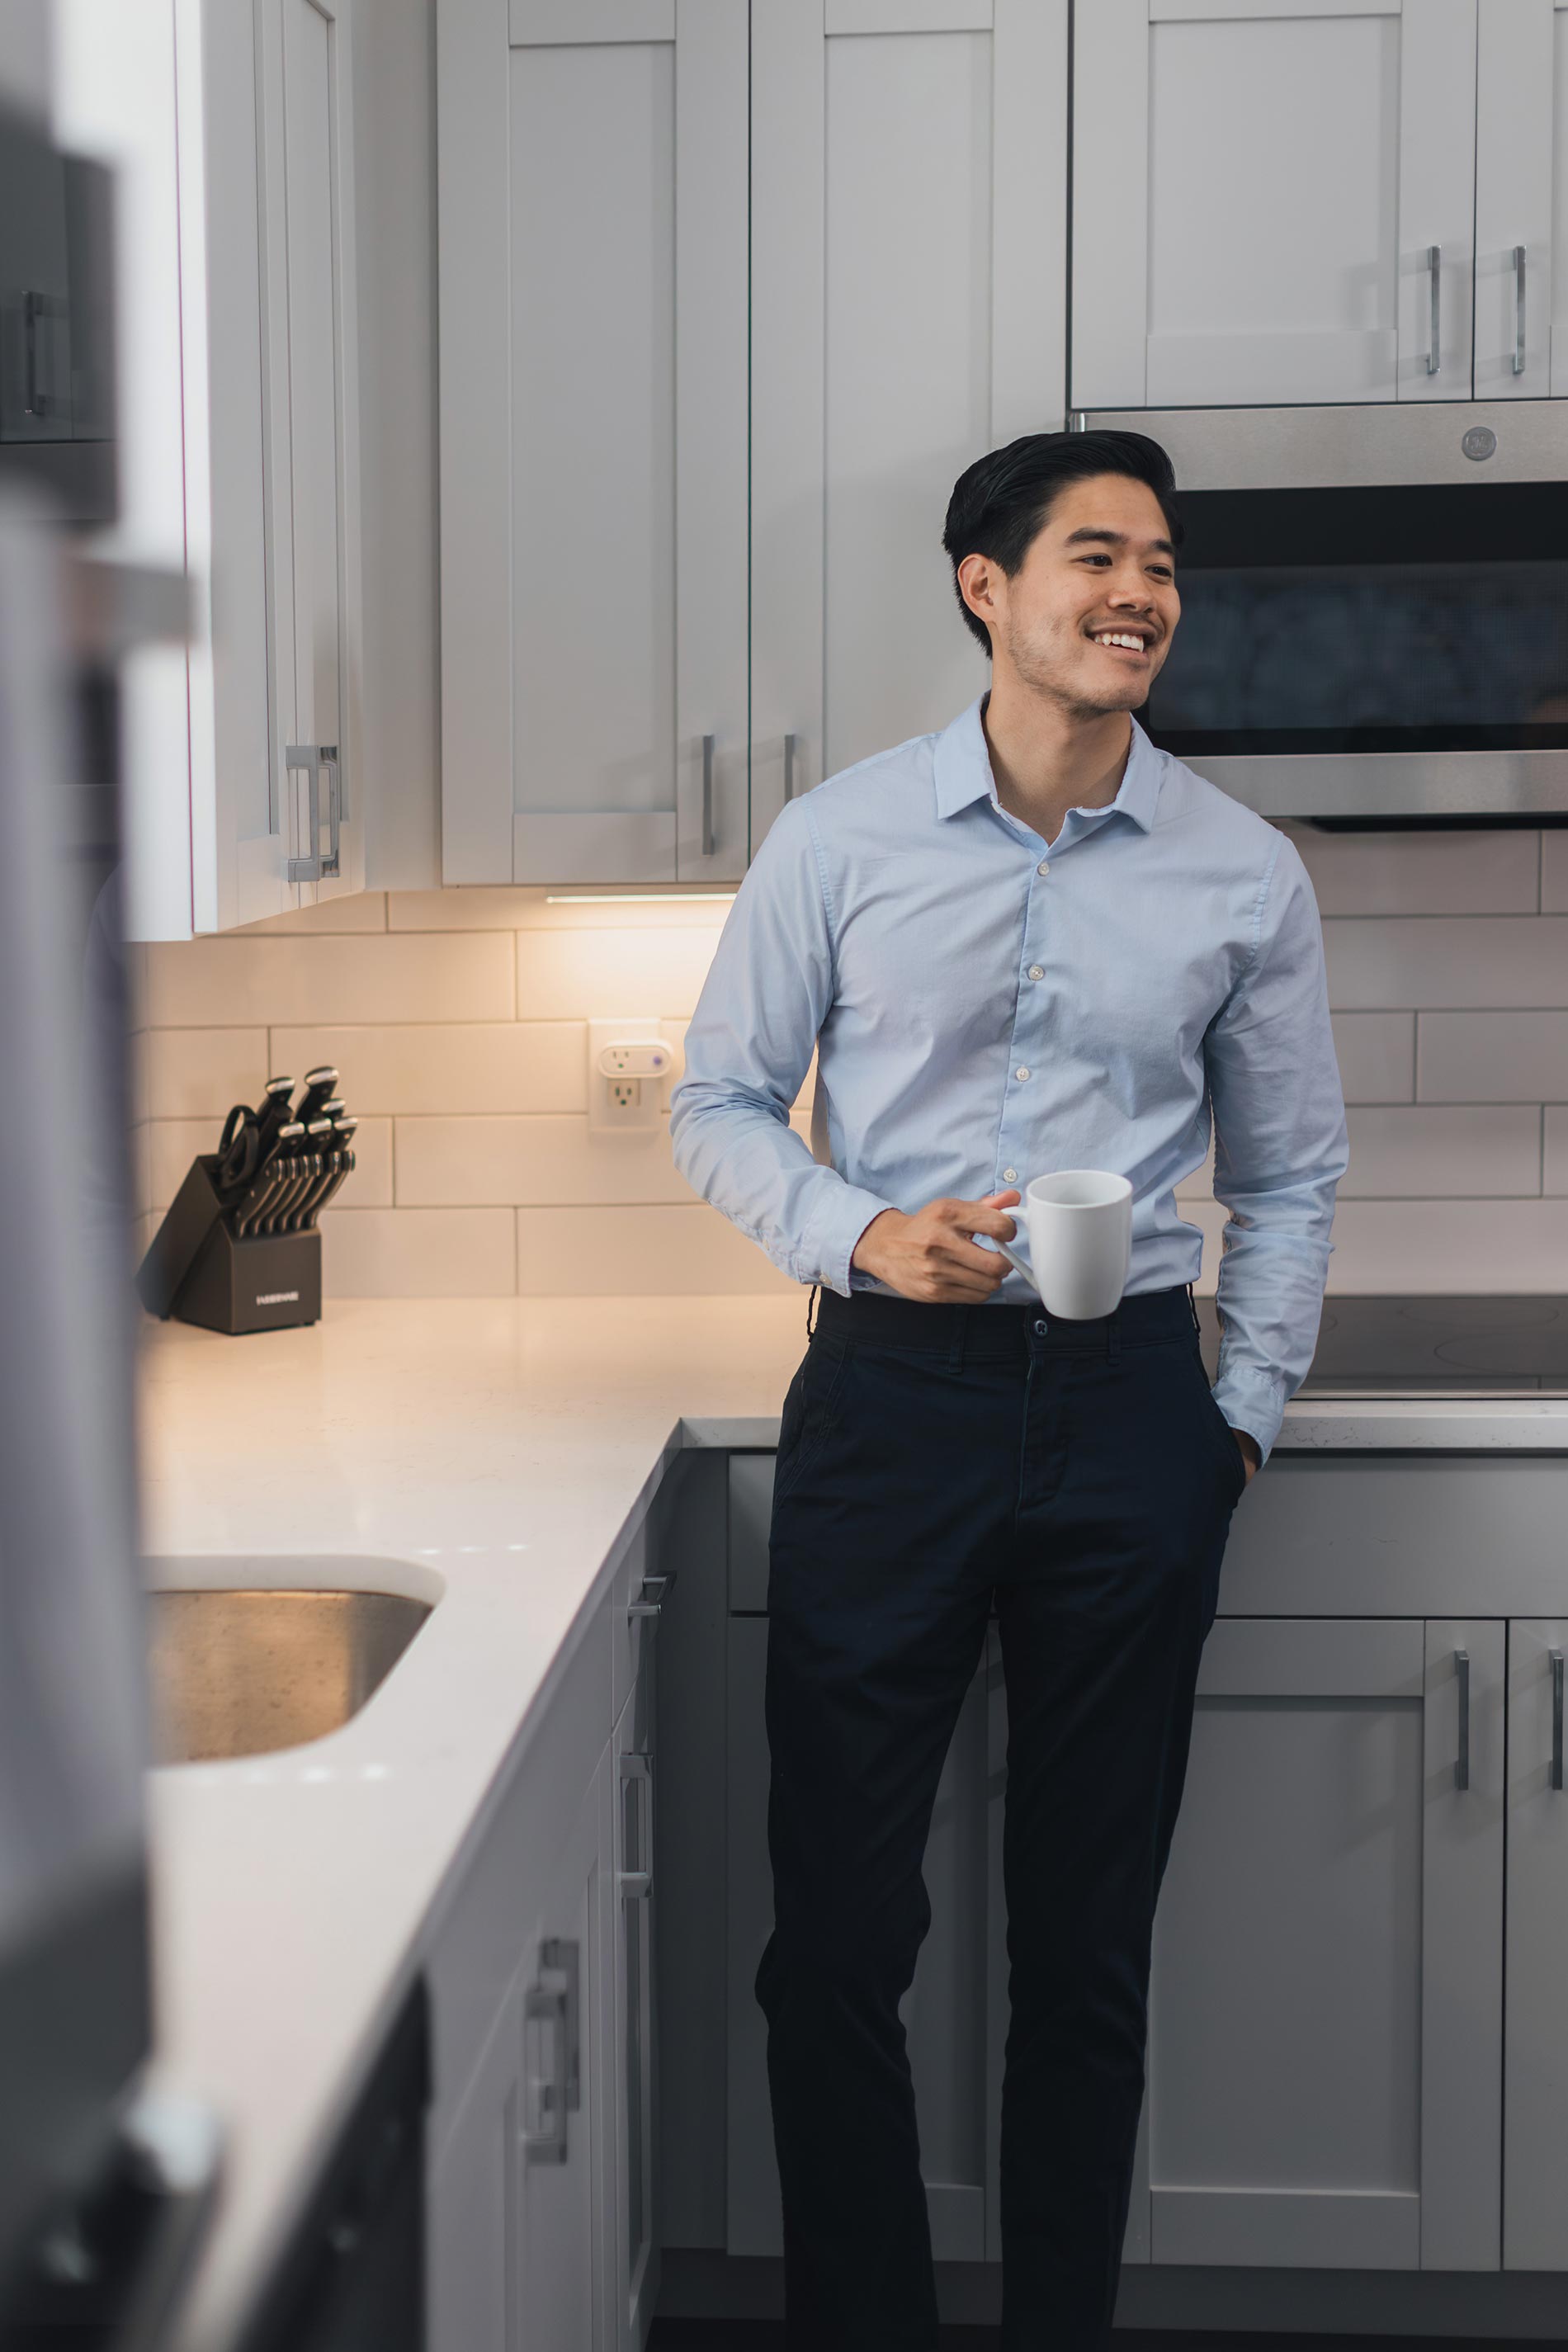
(521, 2217)
(1325, 2040)
(1535, 2096)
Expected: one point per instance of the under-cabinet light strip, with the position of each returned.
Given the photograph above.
(628, 898)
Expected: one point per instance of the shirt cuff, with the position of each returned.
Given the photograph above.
(833, 1243)
(1255, 1402)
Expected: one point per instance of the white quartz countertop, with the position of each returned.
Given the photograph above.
(492, 1455)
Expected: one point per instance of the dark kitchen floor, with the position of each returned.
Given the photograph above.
(767, 2336)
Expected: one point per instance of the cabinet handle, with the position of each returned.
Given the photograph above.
(646, 1607)
(1518, 309)
(313, 758)
(637, 1770)
(1462, 1760)
(555, 2007)
(1556, 1778)
(790, 742)
(708, 796)
(1435, 337)
(35, 401)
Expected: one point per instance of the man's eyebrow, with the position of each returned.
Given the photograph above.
(1113, 538)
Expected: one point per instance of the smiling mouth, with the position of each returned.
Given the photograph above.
(1121, 641)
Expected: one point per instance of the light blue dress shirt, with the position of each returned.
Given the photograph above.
(989, 1006)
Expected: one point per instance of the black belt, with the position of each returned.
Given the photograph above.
(998, 1332)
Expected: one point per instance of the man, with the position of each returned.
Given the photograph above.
(1029, 943)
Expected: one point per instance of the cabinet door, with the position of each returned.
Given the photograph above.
(1521, 160)
(1559, 278)
(1259, 186)
(473, 2201)
(521, 2233)
(166, 93)
(944, 2012)
(566, 2175)
(635, 2262)
(1515, 106)
(311, 437)
(909, 227)
(593, 318)
(1325, 2013)
(1535, 2096)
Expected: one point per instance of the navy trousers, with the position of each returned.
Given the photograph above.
(936, 1464)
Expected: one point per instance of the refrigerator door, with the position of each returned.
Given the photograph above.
(73, 1938)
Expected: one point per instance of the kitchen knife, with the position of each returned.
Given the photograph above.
(304, 1168)
(302, 1216)
(269, 1182)
(320, 1085)
(340, 1177)
(318, 1167)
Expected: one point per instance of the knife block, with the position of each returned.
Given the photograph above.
(197, 1269)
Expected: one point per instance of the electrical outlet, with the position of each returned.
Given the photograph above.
(628, 1097)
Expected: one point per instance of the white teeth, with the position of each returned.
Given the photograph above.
(1119, 637)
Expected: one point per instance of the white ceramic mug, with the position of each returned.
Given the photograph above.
(1079, 1227)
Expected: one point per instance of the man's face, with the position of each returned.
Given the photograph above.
(1089, 615)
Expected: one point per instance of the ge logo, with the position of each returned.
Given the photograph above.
(1479, 442)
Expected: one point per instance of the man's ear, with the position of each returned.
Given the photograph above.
(976, 578)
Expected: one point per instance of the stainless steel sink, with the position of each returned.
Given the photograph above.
(237, 1673)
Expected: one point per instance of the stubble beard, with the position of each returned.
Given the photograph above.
(1043, 670)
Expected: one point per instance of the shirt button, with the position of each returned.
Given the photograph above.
(1037, 971)
(1044, 867)
(1021, 1074)
(1010, 1175)
(1041, 1330)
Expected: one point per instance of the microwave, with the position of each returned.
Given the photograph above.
(1374, 609)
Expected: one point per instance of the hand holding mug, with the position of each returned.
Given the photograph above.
(931, 1254)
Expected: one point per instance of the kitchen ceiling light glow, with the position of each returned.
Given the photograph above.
(627, 897)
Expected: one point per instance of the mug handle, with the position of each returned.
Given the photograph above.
(1015, 1261)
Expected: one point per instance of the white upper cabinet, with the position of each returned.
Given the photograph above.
(908, 228)
(1274, 201)
(593, 394)
(227, 127)
(311, 454)
(1521, 199)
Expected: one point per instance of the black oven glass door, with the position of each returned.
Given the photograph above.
(1420, 618)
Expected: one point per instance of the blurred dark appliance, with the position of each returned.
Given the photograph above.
(352, 2276)
(1374, 610)
(1438, 1346)
(56, 347)
(104, 2185)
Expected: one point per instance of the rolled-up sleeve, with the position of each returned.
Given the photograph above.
(1279, 1153)
(747, 1047)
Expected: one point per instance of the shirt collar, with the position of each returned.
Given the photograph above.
(962, 771)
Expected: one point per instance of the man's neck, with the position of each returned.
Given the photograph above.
(1046, 759)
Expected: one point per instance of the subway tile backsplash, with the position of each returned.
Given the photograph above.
(458, 1019)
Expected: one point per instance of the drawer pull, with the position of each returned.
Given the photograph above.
(1462, 1760)
(1556, 1656)
(637, 1771)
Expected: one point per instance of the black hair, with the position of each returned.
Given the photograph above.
(999, 504)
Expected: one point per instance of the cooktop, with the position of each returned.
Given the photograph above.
(1431, 1346)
